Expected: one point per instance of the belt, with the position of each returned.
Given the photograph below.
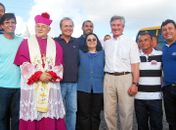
(118, 73)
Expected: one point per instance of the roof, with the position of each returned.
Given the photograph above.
(150, 28)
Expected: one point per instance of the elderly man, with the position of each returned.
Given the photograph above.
(69, 82)
(40, 59)
(121, 76)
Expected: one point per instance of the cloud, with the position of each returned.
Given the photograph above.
(57, 10)
(138, 13)
(20, 27)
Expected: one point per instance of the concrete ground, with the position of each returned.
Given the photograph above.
(103, 125)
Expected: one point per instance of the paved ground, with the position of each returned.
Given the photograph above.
(103, 126)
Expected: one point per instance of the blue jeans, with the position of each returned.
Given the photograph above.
(69, 95)
(149, 110)
(9, 108)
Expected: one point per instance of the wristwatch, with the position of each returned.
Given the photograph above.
(135, 83)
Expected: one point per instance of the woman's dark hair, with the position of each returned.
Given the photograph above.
(98, 47)
(7, 16)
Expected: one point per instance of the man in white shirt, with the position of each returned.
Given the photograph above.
(121, 76)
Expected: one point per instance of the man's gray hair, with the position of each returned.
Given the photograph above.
(116, 17)
(65, 18)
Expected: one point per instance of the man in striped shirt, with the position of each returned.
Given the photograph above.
(148, 100)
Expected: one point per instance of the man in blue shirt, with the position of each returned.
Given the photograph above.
(69, 82)
(87, 28)
(168, 29)
(9, 74)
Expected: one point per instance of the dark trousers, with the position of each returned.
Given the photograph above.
(9, 108)
(169, 95)
(89, 108)
(149, 111)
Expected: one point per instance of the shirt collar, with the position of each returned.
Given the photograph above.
(152, 53)
(118, 37)
(167, 45)
(60, 37)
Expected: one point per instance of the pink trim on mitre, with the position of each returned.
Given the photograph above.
(42, 19)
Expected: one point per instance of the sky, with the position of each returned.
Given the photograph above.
(137, 13)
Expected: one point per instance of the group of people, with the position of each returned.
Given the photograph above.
(156, 80)
(63, 83)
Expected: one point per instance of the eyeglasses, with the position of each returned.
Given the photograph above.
(93, 39)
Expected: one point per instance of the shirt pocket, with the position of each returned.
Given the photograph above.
(124, 54)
